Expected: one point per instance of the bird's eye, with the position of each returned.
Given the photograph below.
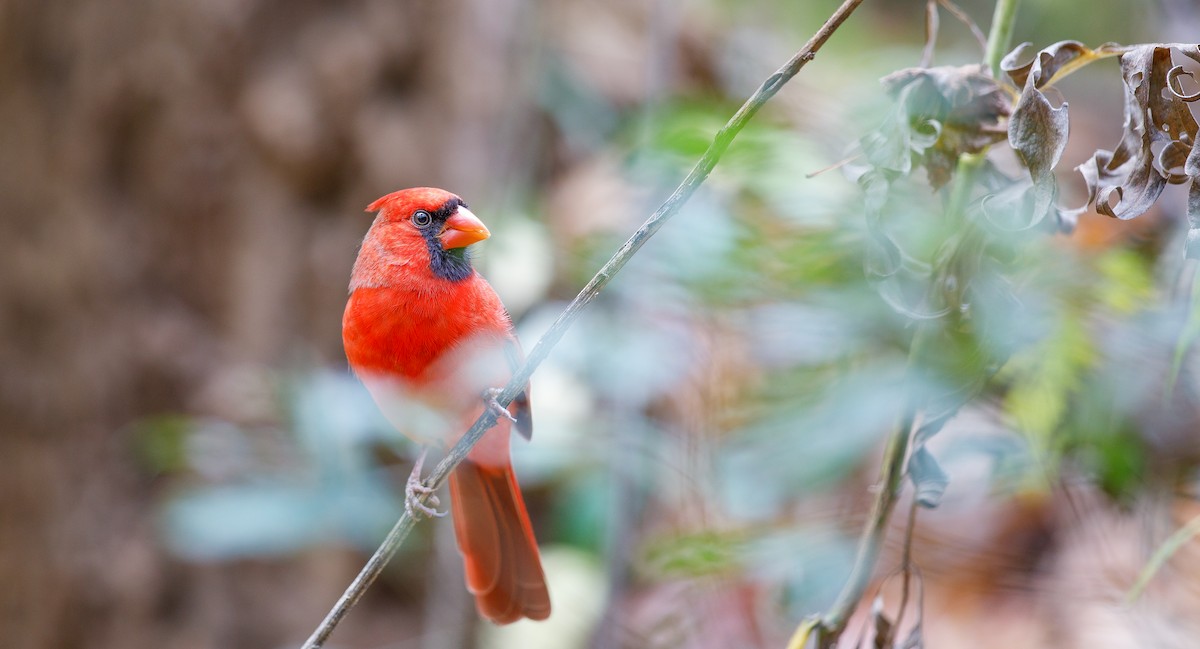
(421, 218)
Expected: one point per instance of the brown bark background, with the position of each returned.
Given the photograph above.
(181, 191)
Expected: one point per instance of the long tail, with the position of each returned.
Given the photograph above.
(504, 570)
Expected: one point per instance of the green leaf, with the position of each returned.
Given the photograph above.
(161, 442)
(703, 553)
(1044, 377)
(928, 478)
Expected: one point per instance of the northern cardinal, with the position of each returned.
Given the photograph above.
(426, 333)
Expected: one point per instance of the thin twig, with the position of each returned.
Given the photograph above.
(548, 340)
(871, 542)
(931, 30)
(965, 19)
(906, 563)
(837, 165)
(932, 23)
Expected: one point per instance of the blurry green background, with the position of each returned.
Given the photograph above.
(185, 461)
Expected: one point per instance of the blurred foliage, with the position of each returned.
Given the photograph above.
(784, 334)
(271, 492)
(183, 186)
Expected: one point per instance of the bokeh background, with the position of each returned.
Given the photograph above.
(186, 463)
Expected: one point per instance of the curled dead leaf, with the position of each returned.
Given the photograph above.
(1155, 117)
(1172, 79)
(1037, 132)
(1157, 146)
(1053, 62)
(944, 112)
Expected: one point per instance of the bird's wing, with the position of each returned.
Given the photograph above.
(519, 407)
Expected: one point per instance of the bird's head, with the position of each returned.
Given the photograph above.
(425, 223)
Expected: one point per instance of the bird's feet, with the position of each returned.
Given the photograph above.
(489, 397)
(414, 489)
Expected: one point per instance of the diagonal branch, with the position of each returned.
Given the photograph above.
(548, 340)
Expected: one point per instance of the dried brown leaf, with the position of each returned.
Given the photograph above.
(1157, 147)
(1172, 78)
(947, 111)
(1037, 133)
(1133, 173)
(885, 629)
(1053, 62)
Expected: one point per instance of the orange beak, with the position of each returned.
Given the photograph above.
(463, 229)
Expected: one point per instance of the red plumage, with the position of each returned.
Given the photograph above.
(423, 327)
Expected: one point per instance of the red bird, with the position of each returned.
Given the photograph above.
(427, 335)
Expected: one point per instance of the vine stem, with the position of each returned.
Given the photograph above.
(828, 628)
(1000, 36)
(669, 208)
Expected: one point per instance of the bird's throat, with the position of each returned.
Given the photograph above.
(452, 265)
